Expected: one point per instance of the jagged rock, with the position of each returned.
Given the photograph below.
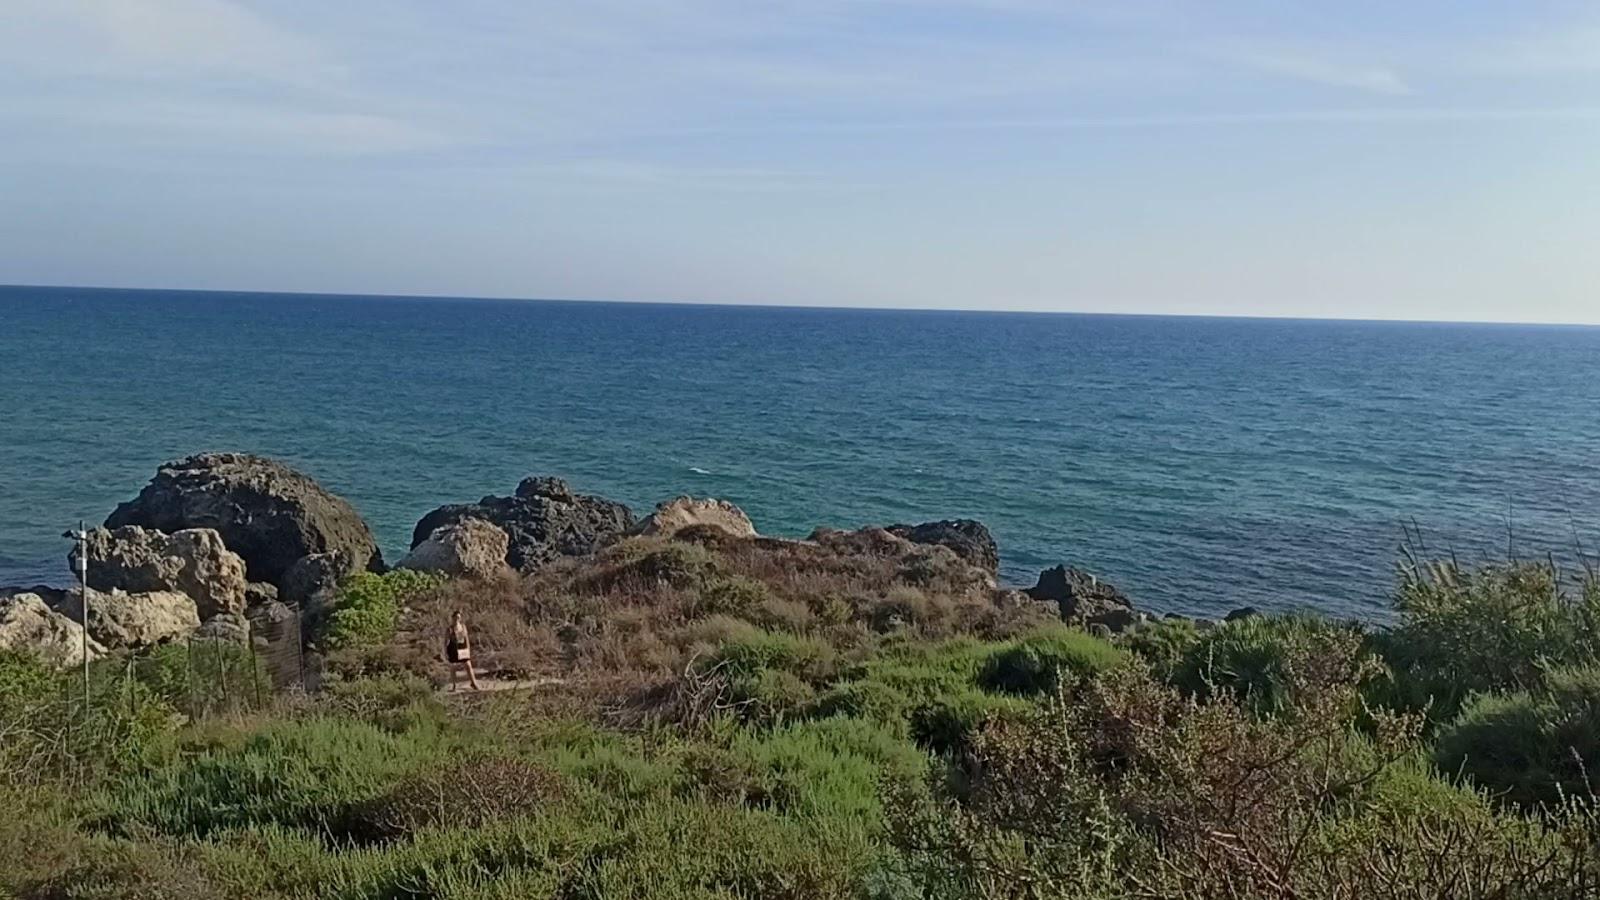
(917, 562)
(1078, 594)
(969, 539)
(312, 583)
(230, 628)
(123, 620)
(29, 625)
(1243, 612)
(544, 520)
(679, 513)
(470, 548)
(259, 593)
(192, 561)
(267, 512)
(1116, 620)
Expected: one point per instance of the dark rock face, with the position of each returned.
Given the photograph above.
(1079, 594)
(1243, 612)
(542, 521)
(969, 539)
(259, 593)
(312, 583)
(268, 513)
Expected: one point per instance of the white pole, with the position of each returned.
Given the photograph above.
(83, 594)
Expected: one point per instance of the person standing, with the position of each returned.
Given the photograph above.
(458, 651)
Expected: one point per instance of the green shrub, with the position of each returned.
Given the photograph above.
(368, 607)
(47, 731)
(1162, 644)
(395, 703)
(468, 791)
(1531, 748)
(1495, 628)
(1251, 659)
(948, 722)
(829, 769)
(771, 695)
(746, 656)
(313, 774)
(925, 691)
(203, 677)
(1033, 664)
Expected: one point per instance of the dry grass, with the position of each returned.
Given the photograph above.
(623, 624)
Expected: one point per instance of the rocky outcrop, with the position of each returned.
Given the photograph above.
(120, 620)
(679, 513)
(259, 593)
(312, 583)
(917, 563)
(228, 628)
(542, 521)
(969, 539)
(470, 548)
(268, 513)
(191, 561)
(1079, 595)
(29, 625)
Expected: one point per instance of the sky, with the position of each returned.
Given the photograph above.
(1431, 159)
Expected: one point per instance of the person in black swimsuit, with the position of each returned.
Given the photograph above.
(458, 651)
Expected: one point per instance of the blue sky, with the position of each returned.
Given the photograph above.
(1367, 159)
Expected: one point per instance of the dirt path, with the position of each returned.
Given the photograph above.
(487, 685)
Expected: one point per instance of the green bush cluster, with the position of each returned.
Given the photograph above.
(1533, 747)
(368, 606)
(847, 754)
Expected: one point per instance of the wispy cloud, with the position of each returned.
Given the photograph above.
(1376, 79)
(159, 38)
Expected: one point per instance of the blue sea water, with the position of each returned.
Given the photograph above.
(1201, 464)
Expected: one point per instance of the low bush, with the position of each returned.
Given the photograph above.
(49, 729)
(642, 564)
(314, 774)
(1533, 748)
(1036, 663)
(368, 606)
(1251, 659)
(199, 678)
(1162, 644)
(467, 791)
(746, 655)
(730, 596)
(1496, 628)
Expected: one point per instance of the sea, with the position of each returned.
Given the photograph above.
(1200, 464)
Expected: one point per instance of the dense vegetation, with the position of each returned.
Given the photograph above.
(760, 719)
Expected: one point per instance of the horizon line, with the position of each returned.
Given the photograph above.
(506, 298)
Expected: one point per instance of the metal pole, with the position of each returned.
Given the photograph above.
(83, 593)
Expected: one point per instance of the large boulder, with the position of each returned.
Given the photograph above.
(312, 583)
(192, 561)
(28, 624)
(1080, 595)
(969, 539)
(228, 628)
(470, 548)
(545, 519)
(120, 620)
(259, 593)
(679, 513)
(267, 512)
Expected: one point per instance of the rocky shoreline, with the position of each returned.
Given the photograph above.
(230, 545)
